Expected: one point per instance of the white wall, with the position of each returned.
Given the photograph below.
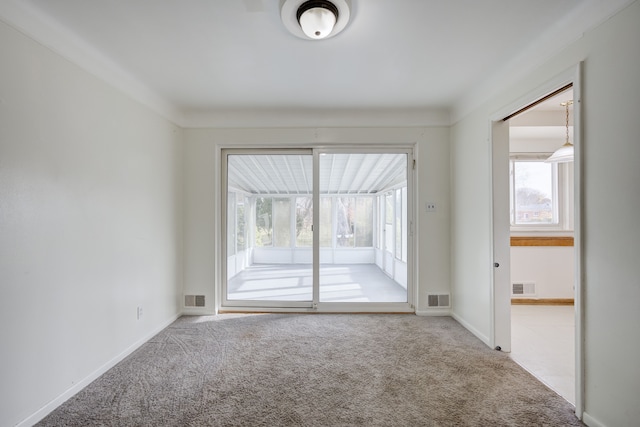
(549, 267)
(201, 206)
(471, 224)
(90, 226)
(200, 235)
(611, 202)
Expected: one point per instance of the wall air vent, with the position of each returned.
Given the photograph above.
(194, 300)
(438, 300)
(523, 289)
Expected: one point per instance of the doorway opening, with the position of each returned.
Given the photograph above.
(504, 284)
(542, 255)
(317, 229)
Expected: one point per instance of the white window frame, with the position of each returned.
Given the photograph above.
(561, 196)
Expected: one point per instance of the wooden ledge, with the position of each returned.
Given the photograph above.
(541, 241)
(541, 301)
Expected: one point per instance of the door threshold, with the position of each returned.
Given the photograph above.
(284, 311)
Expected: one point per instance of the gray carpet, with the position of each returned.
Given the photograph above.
(315, 370)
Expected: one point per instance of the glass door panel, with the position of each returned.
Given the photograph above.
(352, 188)
(269, 237)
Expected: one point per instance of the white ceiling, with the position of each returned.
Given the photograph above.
(545, 121)
(197, 57)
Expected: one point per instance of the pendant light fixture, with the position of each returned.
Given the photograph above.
(315, 19)
(563, 154)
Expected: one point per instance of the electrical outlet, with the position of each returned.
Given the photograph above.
(431, 207)
(139, 312)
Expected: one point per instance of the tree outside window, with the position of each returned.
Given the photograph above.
(534, 193)
(304, 221)
(264, 223)
(344, 221)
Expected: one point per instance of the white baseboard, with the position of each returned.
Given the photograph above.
(187, 311)
(77, 387)
(471, 329)
(434, 312)
(590, 421)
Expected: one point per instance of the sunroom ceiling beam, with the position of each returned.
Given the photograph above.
(365, 170)
(265, 177)
(304, 176)
(238, 181)
(293, 178)
(277, 173)
(391, 176)
(242, 171)
(345, 171)
(370, 177)
(332, 170)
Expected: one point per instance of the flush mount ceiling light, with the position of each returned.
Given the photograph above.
(563, 154)
(315, 19)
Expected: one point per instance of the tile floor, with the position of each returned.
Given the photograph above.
(542, 341)
(293, 282)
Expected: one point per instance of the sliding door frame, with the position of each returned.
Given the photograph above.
(393, 307)
(248, 305)
(226, 305)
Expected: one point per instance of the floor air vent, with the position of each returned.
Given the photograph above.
(194, 300)
(441, 300)
(523, 289)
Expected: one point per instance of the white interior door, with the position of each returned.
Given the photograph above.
(501, 238)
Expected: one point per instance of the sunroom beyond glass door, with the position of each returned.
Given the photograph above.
(269, 235)
(362, 228)
(355, 259)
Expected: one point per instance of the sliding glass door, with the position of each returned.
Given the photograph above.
(269, 240)
(354, 265)
(316, 229)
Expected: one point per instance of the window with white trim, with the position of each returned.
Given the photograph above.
(538, 194)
